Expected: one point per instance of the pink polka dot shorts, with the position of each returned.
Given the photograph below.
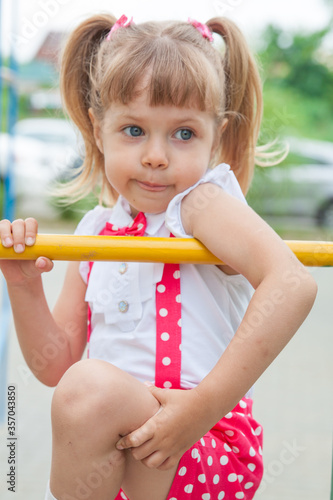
(225, 464)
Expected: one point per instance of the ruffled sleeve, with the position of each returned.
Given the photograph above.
(221, 176)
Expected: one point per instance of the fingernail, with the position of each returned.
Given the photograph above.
(119, 447)
(41, 263)
(148, 384)
(18, 248)
(8, 242)
(30, 241)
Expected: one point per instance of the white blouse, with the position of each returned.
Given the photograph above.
(122, 296)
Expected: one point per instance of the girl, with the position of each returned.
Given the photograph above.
(162, 408)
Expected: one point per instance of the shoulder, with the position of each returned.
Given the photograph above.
(93, 221)
(199, 197)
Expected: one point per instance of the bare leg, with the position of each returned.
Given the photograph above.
(94, 404)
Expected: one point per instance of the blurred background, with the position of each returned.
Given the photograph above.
(293, 43)
(294, 48)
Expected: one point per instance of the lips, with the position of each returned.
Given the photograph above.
(151, 186)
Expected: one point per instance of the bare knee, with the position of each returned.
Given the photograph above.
(94, 393)
(84, 393)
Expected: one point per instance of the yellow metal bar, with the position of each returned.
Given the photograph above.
(144, 249)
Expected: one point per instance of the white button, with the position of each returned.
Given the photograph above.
(123, 268)
(123, 306)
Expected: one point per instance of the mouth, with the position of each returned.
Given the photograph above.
(151, 186)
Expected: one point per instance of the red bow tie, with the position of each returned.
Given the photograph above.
(136, 228)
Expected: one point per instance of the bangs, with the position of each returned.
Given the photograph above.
(171, 73)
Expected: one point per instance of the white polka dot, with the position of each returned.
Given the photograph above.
(182, 471)
(202, 441)
(229, 433)
(167, 384)
(180, 347)
(242, 404)
(206, 496)
(213, 443)
(140, 226)
(240, 494)
(260, 450)
(195, 454)
(226, 447)
(166, 361)
(202, 478)
(123, 495)
(257, 431)
(235, 449)
(115, 228)
(176, 275)
(252, 452)
(251, 467)
(161, 288)
(173, 498)
(247, 486)
(188, 488)
(163, 312)
(228, 415)
(179, 322)
(210, 460)
(240, 478)
(224, 460)
(221, 495)
(165, 336)
(178, 298)
(232, 477)
(216, 479)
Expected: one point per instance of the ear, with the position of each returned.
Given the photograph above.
(224, 125)
(97, 130)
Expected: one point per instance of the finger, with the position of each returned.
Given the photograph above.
(44, 265)
(143, 451)
(154, 460)
(31, 228)
(6, 233)
(18, 232)
(138, 437)
(161, 461)
(158, 393)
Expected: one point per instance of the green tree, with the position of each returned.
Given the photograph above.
(294, 61)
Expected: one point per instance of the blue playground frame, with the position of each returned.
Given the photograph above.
(8, 117)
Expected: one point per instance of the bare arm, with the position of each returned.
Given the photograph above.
(284, 294)
(50, 342)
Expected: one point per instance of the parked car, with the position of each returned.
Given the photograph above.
(60, 137)
(301, 188)
(25, 153)
(43, 150)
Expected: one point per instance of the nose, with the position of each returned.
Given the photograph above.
(155, 154)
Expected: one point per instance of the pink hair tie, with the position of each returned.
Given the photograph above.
(122, 22)
(202, 28)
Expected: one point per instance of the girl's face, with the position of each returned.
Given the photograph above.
(153, 153)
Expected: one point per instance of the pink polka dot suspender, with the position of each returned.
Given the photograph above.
(168, 311)
(168, 329)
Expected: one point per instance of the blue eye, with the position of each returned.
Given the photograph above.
(133, 131)
(184, 134)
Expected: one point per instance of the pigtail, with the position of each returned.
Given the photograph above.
(78, 59)
(243, 102)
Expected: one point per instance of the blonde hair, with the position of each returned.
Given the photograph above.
(184, 69)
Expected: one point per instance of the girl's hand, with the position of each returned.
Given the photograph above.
(163, 439)
(18, 234)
